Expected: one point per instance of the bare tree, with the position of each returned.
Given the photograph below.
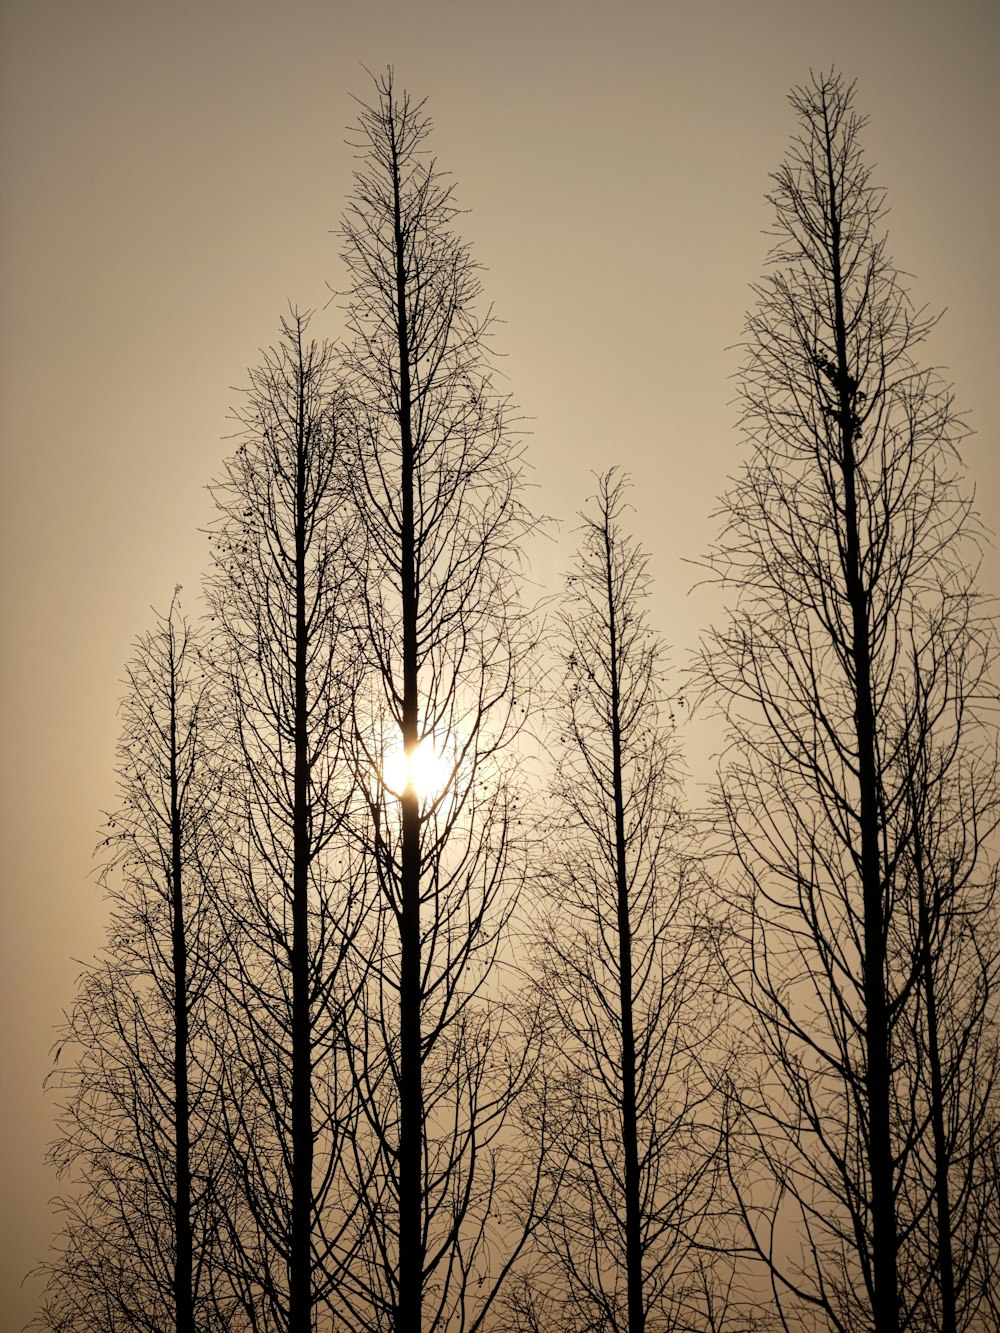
(949, 885)
(138, 1129)
(622, 962)
(436, 481)
(989, 1270)
(848, 544)
(280, 596)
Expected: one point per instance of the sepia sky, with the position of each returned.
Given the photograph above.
(171, 174)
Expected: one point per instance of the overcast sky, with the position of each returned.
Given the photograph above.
(171, 175)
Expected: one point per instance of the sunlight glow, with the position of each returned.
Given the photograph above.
(427, 769)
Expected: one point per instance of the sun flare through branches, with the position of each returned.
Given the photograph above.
(427, 770)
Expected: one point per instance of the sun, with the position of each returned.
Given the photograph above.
(427, 769)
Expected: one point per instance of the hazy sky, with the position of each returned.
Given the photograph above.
(171, 174)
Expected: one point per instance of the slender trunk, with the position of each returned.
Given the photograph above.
(946, 1267)
(878, 1074)
(942, 1198)
(411, 1101)
(183, 1238)
(630, 1145)
(299, 1260)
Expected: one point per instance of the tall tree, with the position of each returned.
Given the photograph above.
(621, 962)
(280, 596)
(436, 484)
(138, 1126)
(846, 542)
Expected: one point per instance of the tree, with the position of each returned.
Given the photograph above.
(622, 962)
(848, 544)
(138, 1137)
(950, 887)
(436, 479)
(281, 596)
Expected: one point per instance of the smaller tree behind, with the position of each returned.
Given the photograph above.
(279, 597)
(620, 961)
(136, 1129)
(951, 887)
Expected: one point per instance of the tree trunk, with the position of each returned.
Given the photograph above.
(942, 1196)
(411, 1104)
(630, 1146)
(299, 1264)
(878, 1073)
(184, 1240)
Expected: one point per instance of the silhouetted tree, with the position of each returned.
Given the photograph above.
(280, 597)
(989, 1268)
(949, 886)
(846, 541)
(436, 480)
(138, 1134)
(622, 958)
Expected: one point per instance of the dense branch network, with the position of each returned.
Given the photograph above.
(384, 1039)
